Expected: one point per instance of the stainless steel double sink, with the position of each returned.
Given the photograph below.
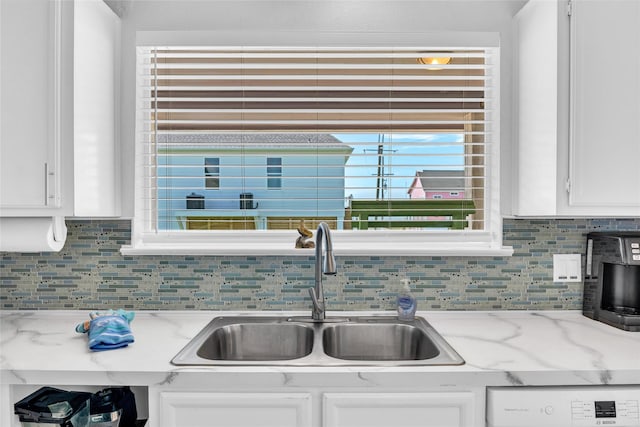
(299, 341)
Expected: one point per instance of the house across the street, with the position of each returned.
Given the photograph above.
(250, 181)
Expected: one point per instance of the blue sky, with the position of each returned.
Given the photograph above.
(404, 155)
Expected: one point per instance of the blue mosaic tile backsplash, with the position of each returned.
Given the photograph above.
(90, 273)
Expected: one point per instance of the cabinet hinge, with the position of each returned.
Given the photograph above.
(569, 8)
(567, 186)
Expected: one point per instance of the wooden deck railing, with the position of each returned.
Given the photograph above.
(429, 211)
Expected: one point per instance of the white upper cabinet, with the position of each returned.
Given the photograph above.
(578, 108)
(96, 86)
(59, 86)
(604, 168)
(36, 118)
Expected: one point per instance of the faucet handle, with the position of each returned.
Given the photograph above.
(314, 297)
(318, 307)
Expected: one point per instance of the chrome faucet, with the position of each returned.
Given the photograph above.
(328, 267)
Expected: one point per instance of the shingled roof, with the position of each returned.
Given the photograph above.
(232, 140)
(441, 180)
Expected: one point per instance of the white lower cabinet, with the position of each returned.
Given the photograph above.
(205, 409)
(315, 407)
(433, 409)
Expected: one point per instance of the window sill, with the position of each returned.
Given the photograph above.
(232, 243)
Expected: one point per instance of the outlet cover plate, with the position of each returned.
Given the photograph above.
(567, 268)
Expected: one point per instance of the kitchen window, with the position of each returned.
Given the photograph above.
(375, 140)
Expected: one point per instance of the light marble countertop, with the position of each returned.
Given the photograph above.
(499, 347)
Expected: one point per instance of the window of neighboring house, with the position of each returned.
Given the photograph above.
(274, 173)
(361, 129)
(437, 196)
(212, 173)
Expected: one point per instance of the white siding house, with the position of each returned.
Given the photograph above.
(259, 177)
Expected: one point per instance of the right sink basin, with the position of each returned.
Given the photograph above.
(387, 341)
(378, 341)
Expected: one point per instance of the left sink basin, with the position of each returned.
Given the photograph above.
(257, 341)
(232, 340)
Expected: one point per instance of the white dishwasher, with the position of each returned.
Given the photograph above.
(580, 406)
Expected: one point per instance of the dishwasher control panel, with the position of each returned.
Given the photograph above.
(584, 406)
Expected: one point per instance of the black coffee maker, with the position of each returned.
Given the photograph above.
(612, 279)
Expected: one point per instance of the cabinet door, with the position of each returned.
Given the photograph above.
(96, 59)
(205, 409)
(605, 145)
(537, 63)
(452, 409)
(34, 82)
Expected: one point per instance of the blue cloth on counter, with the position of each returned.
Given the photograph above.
(108, 330)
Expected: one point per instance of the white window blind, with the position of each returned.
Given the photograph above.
(361, 138)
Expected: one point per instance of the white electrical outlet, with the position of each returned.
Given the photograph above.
(567, 268)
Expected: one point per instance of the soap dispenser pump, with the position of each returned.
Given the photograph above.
(406, 303)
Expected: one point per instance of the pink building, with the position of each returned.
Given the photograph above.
(438, 184)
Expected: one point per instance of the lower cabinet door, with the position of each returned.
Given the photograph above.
(446, 409)
(203, 409)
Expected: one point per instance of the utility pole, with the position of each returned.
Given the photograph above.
(380, 173)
